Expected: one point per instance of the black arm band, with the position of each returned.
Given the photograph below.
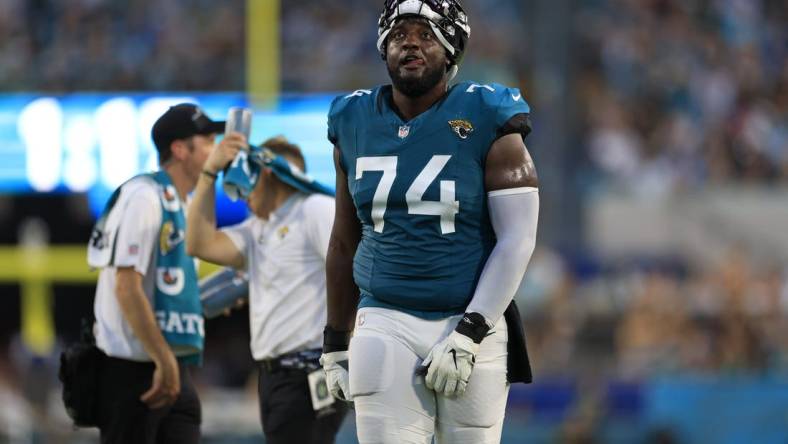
(519, 123)
(473, 326)
(334, 340)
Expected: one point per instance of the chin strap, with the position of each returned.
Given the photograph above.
(453, 71)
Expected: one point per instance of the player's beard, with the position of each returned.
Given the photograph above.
(416, 86)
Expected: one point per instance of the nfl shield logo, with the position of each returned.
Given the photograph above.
(403, 131)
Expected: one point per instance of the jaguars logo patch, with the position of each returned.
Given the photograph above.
(461, 127)
(169, 238)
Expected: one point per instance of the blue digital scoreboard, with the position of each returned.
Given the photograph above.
(92, 143)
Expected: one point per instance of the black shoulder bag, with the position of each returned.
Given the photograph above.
(79, 371)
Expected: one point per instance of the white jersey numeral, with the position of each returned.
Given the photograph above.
(473, 87)
(446, 208)
(359, 93)
(387, 164)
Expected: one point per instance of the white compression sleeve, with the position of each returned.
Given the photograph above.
(514, 214)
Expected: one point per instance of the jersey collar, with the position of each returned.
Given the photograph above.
(284, 209)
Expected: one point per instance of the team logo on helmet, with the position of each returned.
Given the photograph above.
(461, 127)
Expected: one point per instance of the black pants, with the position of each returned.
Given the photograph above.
(123, 418)
(286, 410)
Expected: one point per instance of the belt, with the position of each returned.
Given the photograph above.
(301, 360)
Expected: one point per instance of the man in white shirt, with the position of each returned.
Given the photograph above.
(283, 245)
(145, 394)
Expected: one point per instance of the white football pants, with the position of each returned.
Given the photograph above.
(393, 405)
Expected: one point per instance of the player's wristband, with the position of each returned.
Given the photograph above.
(334, 340)
(473, 326)
(209, 174)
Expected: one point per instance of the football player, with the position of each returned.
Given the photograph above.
(436, 214)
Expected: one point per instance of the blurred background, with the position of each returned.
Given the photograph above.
(656, 304)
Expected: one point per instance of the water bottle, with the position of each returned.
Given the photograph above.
(222, 290)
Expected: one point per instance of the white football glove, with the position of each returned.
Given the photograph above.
(450, 363)
(337, 379)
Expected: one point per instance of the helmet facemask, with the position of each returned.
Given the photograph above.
(446, 18)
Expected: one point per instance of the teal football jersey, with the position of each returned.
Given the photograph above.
(418, 189)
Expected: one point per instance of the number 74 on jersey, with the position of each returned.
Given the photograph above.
(446, 208)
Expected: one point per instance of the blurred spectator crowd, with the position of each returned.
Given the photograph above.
(330, 45)
(682, 94)
(110, 45)
(650, 318)
(675, 94)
